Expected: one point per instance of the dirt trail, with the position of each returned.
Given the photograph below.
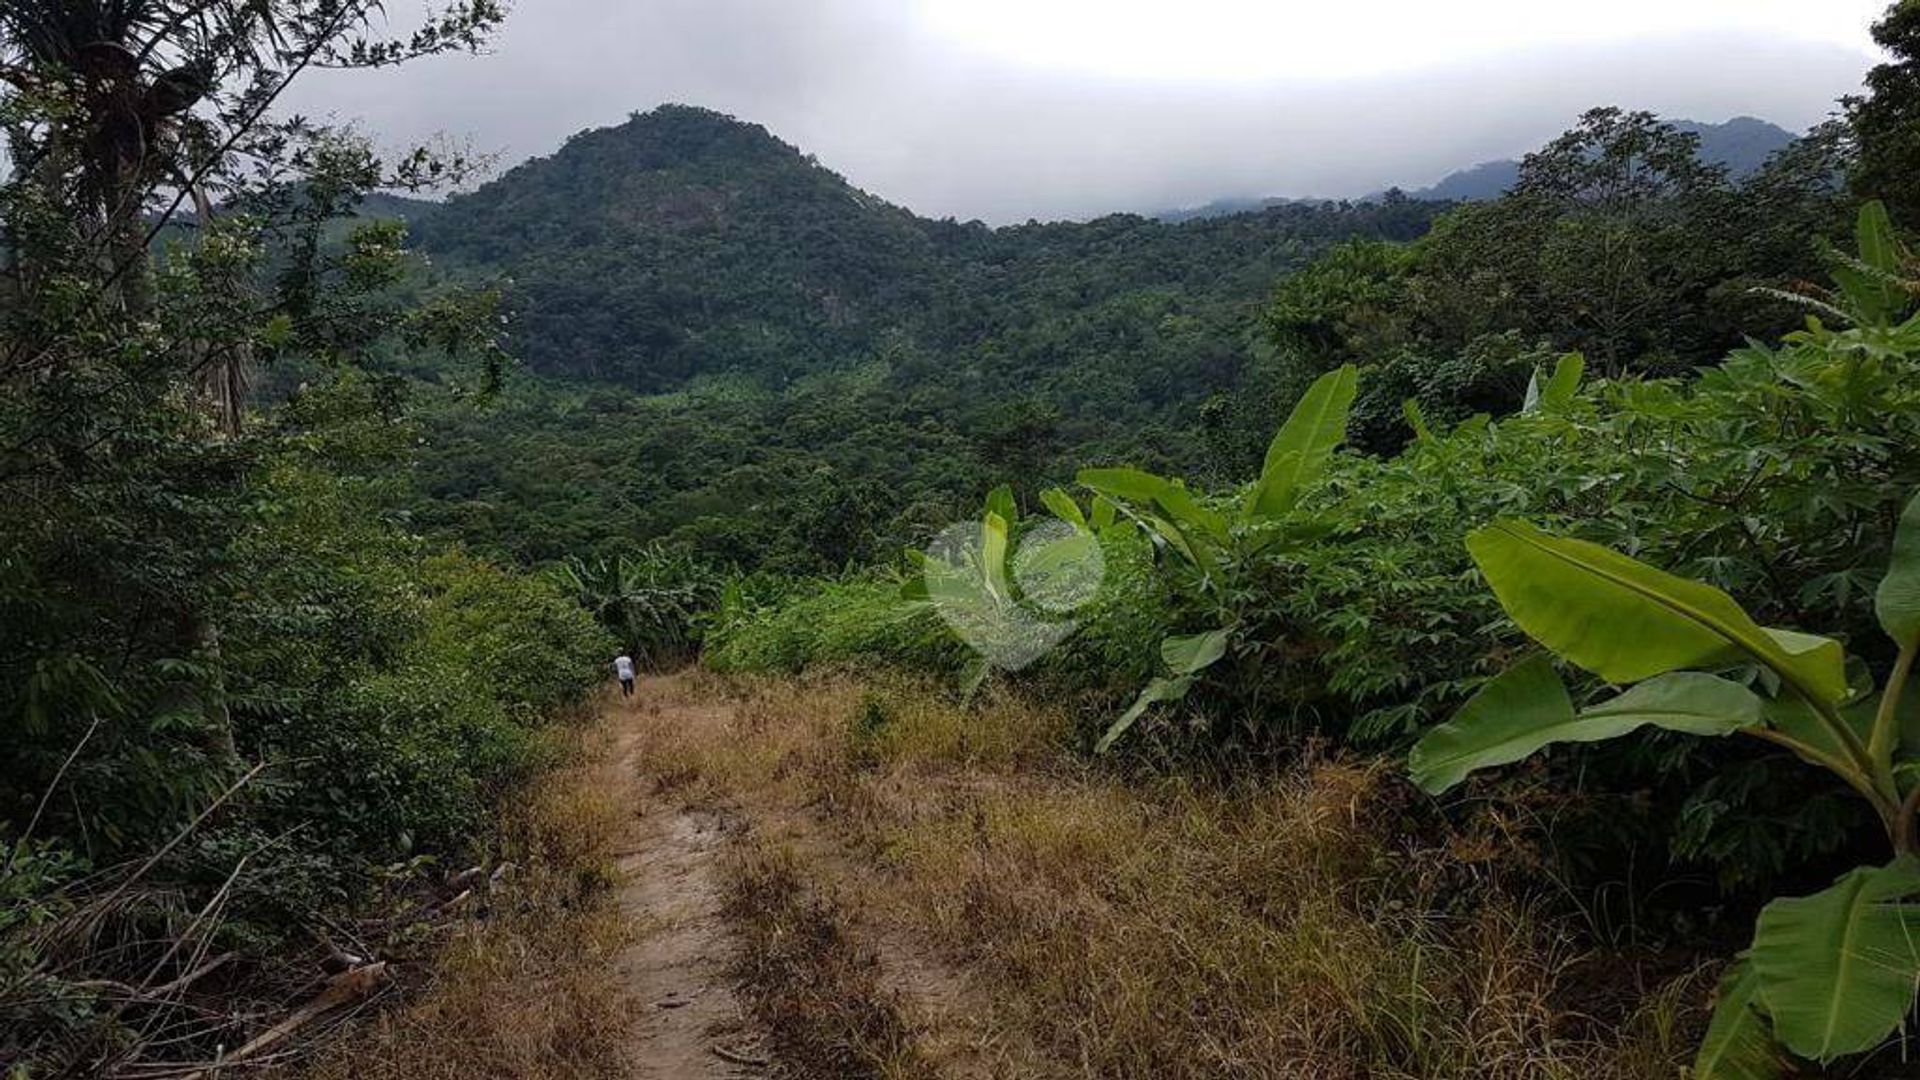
(692, 1026)
(675, 889)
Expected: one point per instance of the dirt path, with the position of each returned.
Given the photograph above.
(858, 997)
(693, 1025)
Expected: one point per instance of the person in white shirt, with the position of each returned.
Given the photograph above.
(623, 670)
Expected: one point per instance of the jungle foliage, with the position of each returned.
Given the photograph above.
(238, 696)
(730, 349)
(1617, 476)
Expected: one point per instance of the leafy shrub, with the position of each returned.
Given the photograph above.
(652, 601)
(836, 622)
(518, 634)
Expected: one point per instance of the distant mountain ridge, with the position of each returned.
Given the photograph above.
(1742, 144)
(685, 243)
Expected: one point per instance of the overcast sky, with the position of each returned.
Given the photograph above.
(1010, 109)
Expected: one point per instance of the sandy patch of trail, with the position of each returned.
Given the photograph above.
(689, 838)
(692, 1024)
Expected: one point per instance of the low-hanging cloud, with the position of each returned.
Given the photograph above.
(947, 131)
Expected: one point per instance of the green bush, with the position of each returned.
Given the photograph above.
(835, 622)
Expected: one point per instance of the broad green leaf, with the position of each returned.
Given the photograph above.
(1814, 649)
(915, 588)
(1737, 1045)
(1416, 418)
(994, 541)
(1688, 701)
(1058, 572)
(1103, 513)
(1626, 621)
(1531, 401)
(1180, 505)
(1171, 534)
(1564, 382)
(1062, 506)
(1187, 655)
(1000, 501)
(1897, 603)
(1157, 691)
(1873, 234)
(1797, 720)
(1273, 494)
(1527, 709)
(1497, 726)
(1130, 485)
(1837, 969)
(1869, 280)
(1301, 447)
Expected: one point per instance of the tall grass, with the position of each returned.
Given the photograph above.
(1310, 923)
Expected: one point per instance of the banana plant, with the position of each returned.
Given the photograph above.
(1556, 392)
(1827, 975)
(1212, 541)
(1006, 592)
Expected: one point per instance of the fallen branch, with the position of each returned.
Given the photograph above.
(345, 988)
(736, 1057)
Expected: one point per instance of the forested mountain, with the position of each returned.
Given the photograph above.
(1742, 144)
(685, 243)
(730, 348)
(715, 324)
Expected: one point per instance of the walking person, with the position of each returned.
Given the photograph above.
(623, 670)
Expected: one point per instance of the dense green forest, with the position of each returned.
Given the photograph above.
(734, 350)
(1584, 512)
(1656, 409)
(240, 702)
(730, 349)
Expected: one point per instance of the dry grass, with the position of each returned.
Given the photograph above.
(530, 991)
(1170, 930)
(809, 981)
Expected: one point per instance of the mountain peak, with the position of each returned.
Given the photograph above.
(678, 136)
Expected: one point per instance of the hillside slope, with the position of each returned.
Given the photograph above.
(687, 243)
(712, 322)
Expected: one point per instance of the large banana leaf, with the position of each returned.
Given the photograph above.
(1194, 519)
(1527, 708)
(995, 540)
(1737, 1045)
(1799, 721)
(1000, 501)
(1157, 691)
(1300, 449)
(1187, 655)
(1564, 382)
(1128, 485)
(1188, 527)
(1871, 283)
(1897, 602)
(1837, 969)
(1062, 506)
(1626, 621)
(1103, 513)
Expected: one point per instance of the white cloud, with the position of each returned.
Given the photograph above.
(1273, 40)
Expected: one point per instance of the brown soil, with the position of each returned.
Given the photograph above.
(682, 865)
(692, 1025)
